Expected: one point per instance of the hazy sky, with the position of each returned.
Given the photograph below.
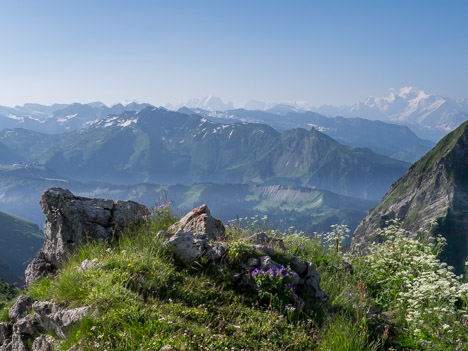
(324, 52)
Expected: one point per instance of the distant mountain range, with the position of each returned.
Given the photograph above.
(388, 139)
(161, 146)
(430, 116)
(60, 118)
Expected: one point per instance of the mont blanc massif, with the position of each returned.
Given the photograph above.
(396, 164)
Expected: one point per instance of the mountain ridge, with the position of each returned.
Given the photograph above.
(385, 138)
(432, 195)
(161, 146)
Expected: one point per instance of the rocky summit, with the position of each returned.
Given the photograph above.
(72, 221)
(197, 239)
(432, 195)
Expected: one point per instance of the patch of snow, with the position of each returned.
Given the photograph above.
(319, 128)
(66, 118)
(38, 119)
(127, 122)
(16, 118)
(109, 121)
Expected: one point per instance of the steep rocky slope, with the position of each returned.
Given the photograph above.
(435, 189)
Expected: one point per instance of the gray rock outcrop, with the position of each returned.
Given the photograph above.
(5, 332)
(199, 220)
(52, 317)
(25, 326)
(263, 239)
(189, 247)
(43, 343)
(20, 308)
(72, 221)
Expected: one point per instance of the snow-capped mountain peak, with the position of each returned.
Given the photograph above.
(209, 103)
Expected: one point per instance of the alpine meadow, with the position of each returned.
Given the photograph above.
(233, 175)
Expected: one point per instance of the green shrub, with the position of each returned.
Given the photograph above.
(239, 250)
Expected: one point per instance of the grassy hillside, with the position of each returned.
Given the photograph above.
(19, 242)
(399, 297)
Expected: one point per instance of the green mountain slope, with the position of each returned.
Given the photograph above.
(434, 189)
(388, 139)
(160, 146)
(7, 292)
(19, 242)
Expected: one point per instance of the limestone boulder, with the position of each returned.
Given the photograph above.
(72, 221)
(20, 308)
(56, 318)
(199, 220)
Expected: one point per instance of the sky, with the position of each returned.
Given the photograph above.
(323, 52)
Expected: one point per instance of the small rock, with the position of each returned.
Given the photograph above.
(52, 317)
(215, 251)
(312, 284)
(268, 251)
(39, 268)
(20, 308)
(163, 235)
(263, 239)
(266, 262)
(188, 247)
(27, 325)
(43, 343)
(5, 332)
(88, 264)
(298, 265)
(18, 342)
(251, 263)
(200, 221)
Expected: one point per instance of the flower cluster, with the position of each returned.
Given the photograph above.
(337, 238)
(275, 284)
(405, 274)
